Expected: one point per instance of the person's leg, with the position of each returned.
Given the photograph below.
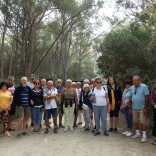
(75, 117)
(97, 114)
(154, 127)
(111, 121)
(116, 113)
(54, 114)
(126, 116)
(71, 116)
(136, 123)
(85, 118)
(143, 125)
(80, 117)
(104, 118)
(26, 116)
(34, 119)
(90, 121)
(66, 117)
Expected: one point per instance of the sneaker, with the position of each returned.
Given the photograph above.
(86, 129)
(92, 131)
(8, 133)
(55, 130)
(144, 139)
(65, 129)
(71, 129)
(154, 141)
(24, 133)
(124, 133)
(61, 126)
(129, 134)
(80, 123)
(115, 130)
(46, 131)
(106, 133)
(96, 133)
(38, 131)
(135, 136)
(34, 131)
(19, 136)
(111, 130)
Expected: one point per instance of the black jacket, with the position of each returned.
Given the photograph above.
(17, 96)
(117, 94)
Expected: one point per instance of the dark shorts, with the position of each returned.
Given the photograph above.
(50, 112)
(115, 112)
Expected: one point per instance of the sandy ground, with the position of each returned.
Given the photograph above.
(77, 143)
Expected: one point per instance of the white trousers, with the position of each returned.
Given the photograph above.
(68, 116)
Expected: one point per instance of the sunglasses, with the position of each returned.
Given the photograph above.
(98, 82)
(37, 83)
(135, 91)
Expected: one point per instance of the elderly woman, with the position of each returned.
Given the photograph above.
(85, 106)
(5, 105)
(153, 102)
(37, 105)
(70, 103)
(100, 106)
(126, 100)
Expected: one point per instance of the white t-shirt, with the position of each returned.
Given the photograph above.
(100, 96)
(49, 104)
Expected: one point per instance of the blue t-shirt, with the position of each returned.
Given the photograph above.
(24, 97)
(59, 89)
(138, 95)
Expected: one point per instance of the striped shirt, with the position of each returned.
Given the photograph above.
(24, 97)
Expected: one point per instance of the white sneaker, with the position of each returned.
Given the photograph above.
(144, 139)
(71, 129)
(135, 136)
(129, 134)
(124, 133)
(65, 129)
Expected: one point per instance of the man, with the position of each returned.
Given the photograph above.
(59, 90)
(11, 89)
(22, 99)
(140, 99)
(43, 84)
(78, 92)
(30, 83)
(50, 95)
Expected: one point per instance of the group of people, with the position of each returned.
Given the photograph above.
(75, 101)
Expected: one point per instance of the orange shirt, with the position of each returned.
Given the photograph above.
(5, 100)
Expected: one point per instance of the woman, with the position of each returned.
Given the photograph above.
(115, 97)
(100, 107)
(126, 99)
(69, 104)
(5, 105)
(37, 105)
(86, 105)
(153, 102)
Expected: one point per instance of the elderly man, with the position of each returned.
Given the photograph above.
(140, 99)
(22, 99)
(50, 95)
(59, 90)
(43, 84)
(30, 83)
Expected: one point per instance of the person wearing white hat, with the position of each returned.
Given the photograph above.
(85, 106)
(70, 103)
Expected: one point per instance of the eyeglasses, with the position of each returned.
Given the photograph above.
(98, 82)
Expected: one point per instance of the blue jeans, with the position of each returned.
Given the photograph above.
(37, 113)
(129, 118)
(100, 115)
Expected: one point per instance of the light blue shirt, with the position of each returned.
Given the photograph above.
(138, 95)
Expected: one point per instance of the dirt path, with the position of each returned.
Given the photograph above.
(77, 143)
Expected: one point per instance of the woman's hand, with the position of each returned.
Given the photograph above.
(154, 106)
(92, 97)
(32, 102)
